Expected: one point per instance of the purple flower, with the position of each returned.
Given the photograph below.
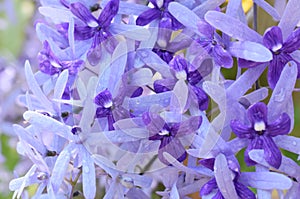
(211, 41)
(168, 133)
(160, 11)
(97, 29)
(183, 70)
(260, 133)
(50, 64)
(241, 190)
(281, 51)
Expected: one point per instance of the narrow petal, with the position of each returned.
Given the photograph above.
(290, 18)
(147, 16)
(292, 43)
(175, 148)
(84, 14)
(243, 191)
(225, 23)
(265, 180)
(88, 175)
(108, 13)
(222, 57)
(268, 8)
(241, 130)
(189, 126)
(224, 177)
(163, 85)
(243, 63)
(179, 64)
(256, 143)
(104, 99)
(208, 187)
(188, 19)
(200, 96)
(250, 51)
(281, 99)
(281, 126)
(272, 153)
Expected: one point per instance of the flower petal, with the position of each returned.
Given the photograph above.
(241, 130)
(281, 126)
(243, 191)
(272, 154)
(84, 14)
(174, 148)
(292, 43)
(272, 38)
(222, 57)
(250, 51)
(258, 113)
(108, 13)
(225, 23)
(147, 16)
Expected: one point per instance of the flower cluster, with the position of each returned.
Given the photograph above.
(130, 96)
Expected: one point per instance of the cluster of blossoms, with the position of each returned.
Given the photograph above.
(123, 102)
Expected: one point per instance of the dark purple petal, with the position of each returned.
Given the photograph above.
(272, 38)
(276, 66)
(138, 92)
(154, 123)
(48, 63)
(84, 14)
(72, 66)
(111, 121)
(173, 147)
(147, 16)
(164, 85)
(201, 97)
(292, 43)
(208, 187)
(247, 64)
(83, 32)
(164, 32)
(206, 29)
(241, 130)
(175, 23)
(108, 13)
(243, 191)
(208, 163)
(258, 113)
(218, 195)
(94, 55)
(189, 126)
(194, 77)
(102, 112)
(221, 56)
(179, 64)
(164, 54)
(256, 143)
(104, 99)
(272, 153)
(281, 126)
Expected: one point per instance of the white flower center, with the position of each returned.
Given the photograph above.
(259, 126)
(92, 24)
(181, 75)
(277, 47)
(108, 104)
(164, 132)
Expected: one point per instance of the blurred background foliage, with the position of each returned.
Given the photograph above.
(16, 25)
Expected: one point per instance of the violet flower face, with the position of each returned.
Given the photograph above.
(281, 51)
(214, 45)
(51, 65)
(159, 11)
(169, 133)
(260, 133)
(97, 29)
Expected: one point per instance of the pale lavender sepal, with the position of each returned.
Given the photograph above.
(287, 166)
(268, 8)
(289, 143)
(224, 177)
(206, 6)
(250, 51)
(88, 175)
(225, 23)
(245, 81)
(265, 180)
(184, 15)
(130, 31)
(282, 93)
(57, 15)
(36, 90)
(290, 18)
